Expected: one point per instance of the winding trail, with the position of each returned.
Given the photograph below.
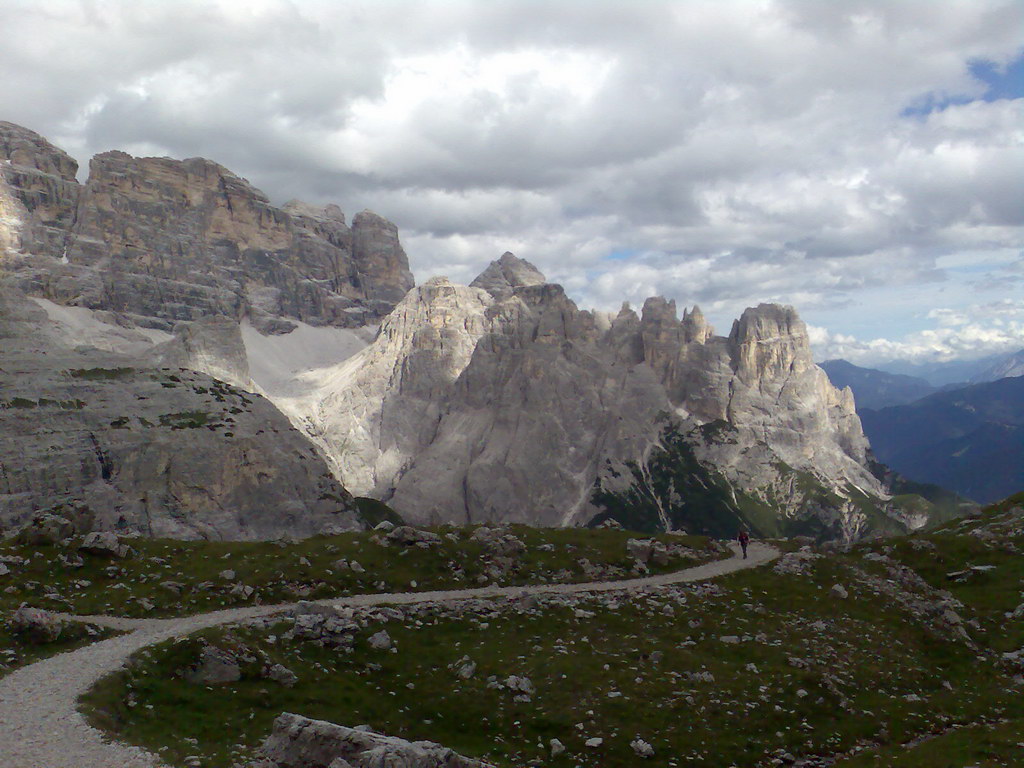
(40, 726)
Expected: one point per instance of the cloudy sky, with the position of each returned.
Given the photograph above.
(862, 160)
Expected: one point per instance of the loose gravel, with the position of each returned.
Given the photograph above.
(40, 726)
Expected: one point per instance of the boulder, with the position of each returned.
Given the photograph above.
(300, 742)
(46, 528)
(406, 535)
(215, 666)
(281, 674)
(640, 549)
(641, 748)
(36, 625)
(104, 544)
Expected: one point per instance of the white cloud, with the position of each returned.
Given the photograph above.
(975, 332)
(736, 152)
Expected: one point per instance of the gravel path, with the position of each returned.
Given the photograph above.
(40, 726)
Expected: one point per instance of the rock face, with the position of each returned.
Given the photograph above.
(160, 241)
(500, 401)
(160, 451)
(503, 276)
(300, 742)
(505, 402)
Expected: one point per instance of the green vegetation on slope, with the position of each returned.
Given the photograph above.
(759, 666)
(176, 578)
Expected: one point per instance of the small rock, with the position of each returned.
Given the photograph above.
(227, 575)
(381, 641)
(594, 743)
(642, 748)
(838, 590)
(557, 747)
(281, 674)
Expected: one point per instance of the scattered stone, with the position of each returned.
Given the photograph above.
(640, 549)
(227, 575)
(46, 529)
(641, 748)
(520, 685)
(465, 667)
(215, 666)
(406, 535)
(557, 747)
(594, 743)
(838, 590)
(4, 570)
(281, 674)
(243, 591)
(381, 641)
(384, 526)
(71, 561)
(104, 544)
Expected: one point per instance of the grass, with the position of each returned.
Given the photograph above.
(175, 578)
(15, 652)
(810, 675)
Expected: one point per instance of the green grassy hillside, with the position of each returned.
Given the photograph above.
(893, 653)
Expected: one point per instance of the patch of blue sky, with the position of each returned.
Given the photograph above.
(1001, 82)
(622, 254)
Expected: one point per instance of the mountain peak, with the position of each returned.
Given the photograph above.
(507, 273)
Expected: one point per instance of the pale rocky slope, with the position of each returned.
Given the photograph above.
(161, 451)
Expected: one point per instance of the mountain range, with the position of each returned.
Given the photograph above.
(199, 309)
(970, 440)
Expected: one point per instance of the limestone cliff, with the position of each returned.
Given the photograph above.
(162, 451)
(161, 241)
(506, 402)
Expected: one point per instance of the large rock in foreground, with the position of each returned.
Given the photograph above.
(300, 742)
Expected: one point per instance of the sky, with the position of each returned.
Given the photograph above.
(861, 160)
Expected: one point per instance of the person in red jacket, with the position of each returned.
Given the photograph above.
(743, 538)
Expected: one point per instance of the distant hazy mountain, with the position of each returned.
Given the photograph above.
(873, 388)
(962, 372)
(970, 440)
(1009, 365)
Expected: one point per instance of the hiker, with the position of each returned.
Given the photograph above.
(743, 538)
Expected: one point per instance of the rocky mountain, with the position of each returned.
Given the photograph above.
(1007, 366)
(970, 440)
(504, 401)
(873, 388)
(162, 451)
(160, 241)
(498, 401)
